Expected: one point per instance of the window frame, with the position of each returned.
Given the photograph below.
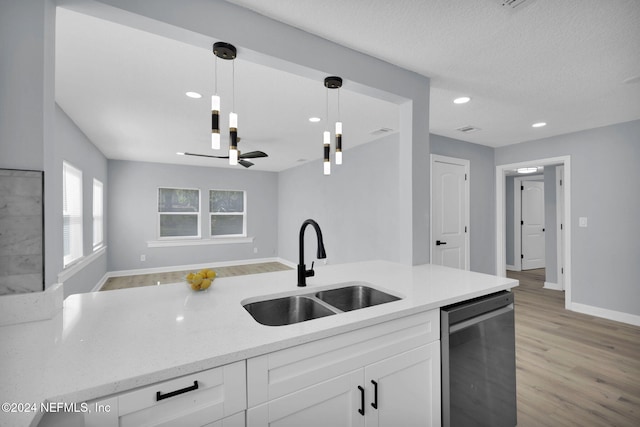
(76, 242)
(243, 213)
(98, 216)
(160, 214)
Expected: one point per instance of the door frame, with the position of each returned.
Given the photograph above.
(467, 215)
(517, 217)
(566, 220)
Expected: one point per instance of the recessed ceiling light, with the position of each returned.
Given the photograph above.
(194, 95)
(314, 119)
(538, 125)
(462, 100)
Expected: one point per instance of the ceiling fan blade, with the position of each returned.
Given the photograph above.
(253, 155)
(206, 155)
(245, 163)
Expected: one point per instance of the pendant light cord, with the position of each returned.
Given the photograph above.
(215, 66)
(233, 86)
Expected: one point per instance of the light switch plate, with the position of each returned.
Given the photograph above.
(582, 221)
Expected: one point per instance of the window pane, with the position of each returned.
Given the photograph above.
(72, 213)
(178, 200)
(222, 225)
(226, 201)
(97, 212)
(178, 225)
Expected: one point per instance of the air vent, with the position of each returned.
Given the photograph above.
(381, 131)
(468, 129)
(513, 4)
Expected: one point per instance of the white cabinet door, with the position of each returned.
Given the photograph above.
(334, 403)
(404, 390)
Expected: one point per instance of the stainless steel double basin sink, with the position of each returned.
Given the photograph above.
(299, 308)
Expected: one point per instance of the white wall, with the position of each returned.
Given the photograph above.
(75, 148)
(604, 171)
(133, 217)
(357, 206)
(482, 198)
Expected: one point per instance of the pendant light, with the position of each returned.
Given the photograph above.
(332, 82)
(225, 51)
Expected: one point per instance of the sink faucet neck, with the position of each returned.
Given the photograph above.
(303, 273)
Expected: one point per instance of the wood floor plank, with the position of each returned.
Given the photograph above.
(572, 369)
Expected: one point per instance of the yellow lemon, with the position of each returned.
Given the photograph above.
(195, 287)
(197, 279)
(205, 284)
(211, 274)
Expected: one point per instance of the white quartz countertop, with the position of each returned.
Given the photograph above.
(108, 342)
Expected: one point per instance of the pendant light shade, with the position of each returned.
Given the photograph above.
(227, 52)
(215, 122)
(338, 143)
(332, 82)
(326, 138)
(233, 139)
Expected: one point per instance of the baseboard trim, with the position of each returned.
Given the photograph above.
(618, 316)
(552, 286)
(512, 267)
(100, 283)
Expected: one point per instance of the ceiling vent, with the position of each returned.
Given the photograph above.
(468, 129)
(513, 4)
(381, 131)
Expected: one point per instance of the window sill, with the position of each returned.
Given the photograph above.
(199, 242)
(79, 264)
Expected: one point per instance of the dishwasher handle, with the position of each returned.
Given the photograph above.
(475, 320)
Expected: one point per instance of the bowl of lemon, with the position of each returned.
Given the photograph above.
(201, 280)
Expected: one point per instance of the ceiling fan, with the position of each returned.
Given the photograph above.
(241, 156)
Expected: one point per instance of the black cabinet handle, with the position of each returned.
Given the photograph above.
(160, 396)
(375, 395)
(438, 243)
(361, 410)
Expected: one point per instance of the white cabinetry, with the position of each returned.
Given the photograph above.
(212, 398)
(383, 375)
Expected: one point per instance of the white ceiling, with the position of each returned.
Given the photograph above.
(561, 62)
(573, 64)
(125, 89)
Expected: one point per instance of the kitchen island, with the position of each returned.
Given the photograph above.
(103, 344)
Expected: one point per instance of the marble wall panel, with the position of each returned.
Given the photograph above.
(21, 231)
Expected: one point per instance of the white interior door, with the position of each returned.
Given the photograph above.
(532, 224)
(450, 212)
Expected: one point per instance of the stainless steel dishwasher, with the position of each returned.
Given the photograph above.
(478, 362)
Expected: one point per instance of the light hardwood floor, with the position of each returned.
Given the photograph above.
(154, 279)
(572, 369)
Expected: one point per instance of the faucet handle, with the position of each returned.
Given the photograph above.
(310, 272)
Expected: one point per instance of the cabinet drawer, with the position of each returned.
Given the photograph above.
(276, 374)
(194, 400)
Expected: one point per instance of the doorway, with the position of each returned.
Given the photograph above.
(564, 254)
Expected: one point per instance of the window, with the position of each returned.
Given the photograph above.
(227, 211)
(179, 213)
(98, 214)
(72, 213)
